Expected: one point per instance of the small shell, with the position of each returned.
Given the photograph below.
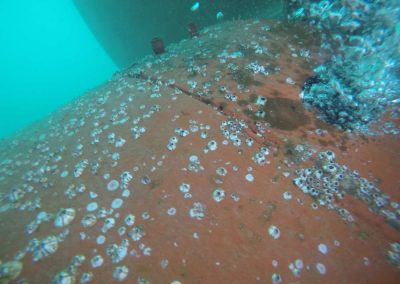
(63, 277)
(120, 272)
(89, 220)
(64, 217)
(45, 247)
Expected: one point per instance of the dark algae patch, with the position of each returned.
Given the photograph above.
(245, 78)
(284, 114)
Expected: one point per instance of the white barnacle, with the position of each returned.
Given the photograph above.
(119, 142)
(237, 142)
(260, 113)
(218, 194)
(64, 216)
(249, 177)
(108, 224)
(249, 141)
(100, 240)
(43, 248)
(276, 278)
(287, 195)
(171, 211)
(145, 215)
(130, 220)
(111, 138)
(204, 134)
(171, 146)
(64, 277)
(147, 251)
(323, 248)
(274, 232)
(86, 277)
(81, 188)
(118, 252)
(80, 167)
(184, 187)
(290, 81)
(15, 194)
(261, 101)
(97, 261)
(115, 156)
(197, 211)
(32, 227)
(120, 273)
(88, 220)
(194, 128)
(193, 159)
(126, 177)
(121, 230)
(221, 171)
(212, 145)
(173, 140)
(321, 268)
(136, 233)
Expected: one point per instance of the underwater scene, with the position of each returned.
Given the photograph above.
(199, 142)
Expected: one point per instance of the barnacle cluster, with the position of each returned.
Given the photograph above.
(232, 129)
(359, 82)
(328, 181)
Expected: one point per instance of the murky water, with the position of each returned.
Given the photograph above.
(242, 154)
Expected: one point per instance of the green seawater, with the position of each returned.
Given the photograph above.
(48, 56)
(54, 51)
